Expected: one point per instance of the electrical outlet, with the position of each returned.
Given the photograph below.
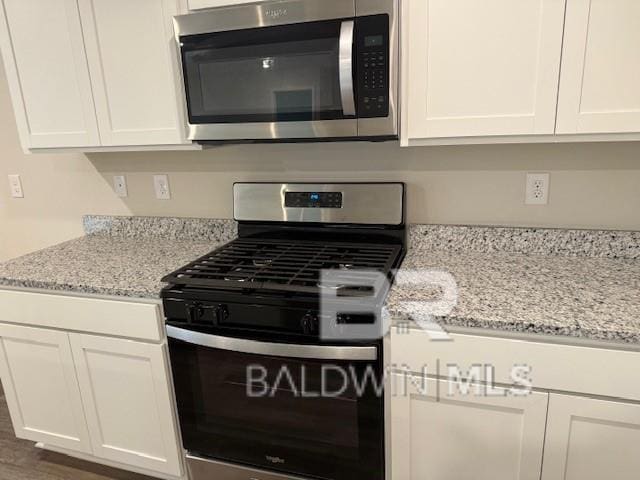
(537, 191)
(161, 184)
(120, 186)
(15, 186)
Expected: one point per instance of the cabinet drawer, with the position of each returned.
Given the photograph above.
(104, 317)
(569, 368)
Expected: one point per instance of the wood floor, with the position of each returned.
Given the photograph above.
(20, 460)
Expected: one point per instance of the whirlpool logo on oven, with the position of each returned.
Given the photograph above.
(274, 460)
(275, 13)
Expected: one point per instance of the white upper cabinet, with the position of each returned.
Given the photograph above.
(46, 67)
(600, 83)
(480, 68)
(199, 4)
(93, 73)
(132, 58)
(589, 439)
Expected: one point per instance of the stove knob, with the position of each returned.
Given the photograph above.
(194, 312)
(310, 324)
(222, 313)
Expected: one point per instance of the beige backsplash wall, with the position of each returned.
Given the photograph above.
(592, 185)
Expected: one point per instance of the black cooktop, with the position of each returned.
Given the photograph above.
(288, 266)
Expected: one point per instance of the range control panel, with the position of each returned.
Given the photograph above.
(313, 199)
(373, 66)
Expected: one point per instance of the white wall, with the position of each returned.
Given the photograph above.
(592, 185)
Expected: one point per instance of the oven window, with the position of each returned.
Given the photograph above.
(275, 74)
(264, 411)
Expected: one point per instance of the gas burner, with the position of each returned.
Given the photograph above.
(243, 276)
(325, 286)
(263, 262)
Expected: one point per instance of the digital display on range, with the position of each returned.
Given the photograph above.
(313, 199)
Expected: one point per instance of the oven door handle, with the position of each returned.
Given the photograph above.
(240, 345)
(346, 67)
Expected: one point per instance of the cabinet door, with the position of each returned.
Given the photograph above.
(47, 72)
(127, 396)
(133, 60)
(475, 68)
(591, 439)
(39, 381)
(437, 436)
(599, 86)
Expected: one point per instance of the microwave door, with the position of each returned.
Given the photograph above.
(285, 81)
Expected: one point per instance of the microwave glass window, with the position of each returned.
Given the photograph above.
(287, 73)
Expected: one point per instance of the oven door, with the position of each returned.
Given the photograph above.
(297, 411)
(264, 80)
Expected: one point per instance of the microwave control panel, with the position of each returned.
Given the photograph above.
(373, 66)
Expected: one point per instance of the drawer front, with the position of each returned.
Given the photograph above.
(129, 319)
(569, 368)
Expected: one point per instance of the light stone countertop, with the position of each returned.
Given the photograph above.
(576, 283)
(590, 298)
(582, 284)
(119, 256)
(103, 265)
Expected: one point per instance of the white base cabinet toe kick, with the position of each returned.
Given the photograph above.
(97, 397)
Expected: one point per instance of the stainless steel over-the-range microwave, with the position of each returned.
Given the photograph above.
(291, 70)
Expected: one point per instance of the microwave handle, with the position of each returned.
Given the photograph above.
(240, 345)
(346, 67)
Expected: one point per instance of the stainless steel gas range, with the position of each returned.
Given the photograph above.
(275, 338)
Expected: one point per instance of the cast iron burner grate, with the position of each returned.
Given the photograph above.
(289, 266)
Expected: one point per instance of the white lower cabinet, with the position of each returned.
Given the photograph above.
(103, 398)
(127, 401)
(439, 433)
(589, 439)
(40, 385)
